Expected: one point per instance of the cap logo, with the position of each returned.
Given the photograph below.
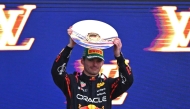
(94, 51)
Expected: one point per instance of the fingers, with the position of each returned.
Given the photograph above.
(117, 47)
(117, 42)
(69, 31)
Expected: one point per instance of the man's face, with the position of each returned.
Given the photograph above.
(93, 66)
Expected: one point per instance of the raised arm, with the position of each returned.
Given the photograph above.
(58, 70)
(124, 81)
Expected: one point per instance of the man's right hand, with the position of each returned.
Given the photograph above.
(71, 42)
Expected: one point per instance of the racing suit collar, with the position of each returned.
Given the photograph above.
(89, 78)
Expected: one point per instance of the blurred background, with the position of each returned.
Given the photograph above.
(155, 40)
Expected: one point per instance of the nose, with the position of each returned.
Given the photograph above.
(95, 62)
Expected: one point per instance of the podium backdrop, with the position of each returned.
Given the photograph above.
(155, 38)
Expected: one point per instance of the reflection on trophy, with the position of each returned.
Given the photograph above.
(93, 37)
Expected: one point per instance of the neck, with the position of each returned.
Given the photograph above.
(90, 75)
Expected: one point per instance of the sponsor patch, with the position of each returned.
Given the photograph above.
(94, 51)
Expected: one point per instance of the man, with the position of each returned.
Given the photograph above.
(91, 89)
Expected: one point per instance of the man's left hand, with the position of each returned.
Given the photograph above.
(117, 47)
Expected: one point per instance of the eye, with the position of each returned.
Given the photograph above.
(90, 59)
(96, 60)
(99, 60)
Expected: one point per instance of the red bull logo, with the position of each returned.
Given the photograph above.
(90, 106)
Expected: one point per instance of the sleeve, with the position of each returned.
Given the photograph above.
(58, 71)
(122, 83)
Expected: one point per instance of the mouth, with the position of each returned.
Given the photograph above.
(94, 68)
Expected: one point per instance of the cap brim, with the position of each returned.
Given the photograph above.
(92, 57)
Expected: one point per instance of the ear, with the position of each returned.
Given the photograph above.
(102, 63)
(82, 61)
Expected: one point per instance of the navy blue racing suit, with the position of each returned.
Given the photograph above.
(84, 92)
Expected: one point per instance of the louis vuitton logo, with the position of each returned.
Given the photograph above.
(11, 25)
(174, 35)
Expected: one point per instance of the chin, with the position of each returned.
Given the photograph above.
(94, 73)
